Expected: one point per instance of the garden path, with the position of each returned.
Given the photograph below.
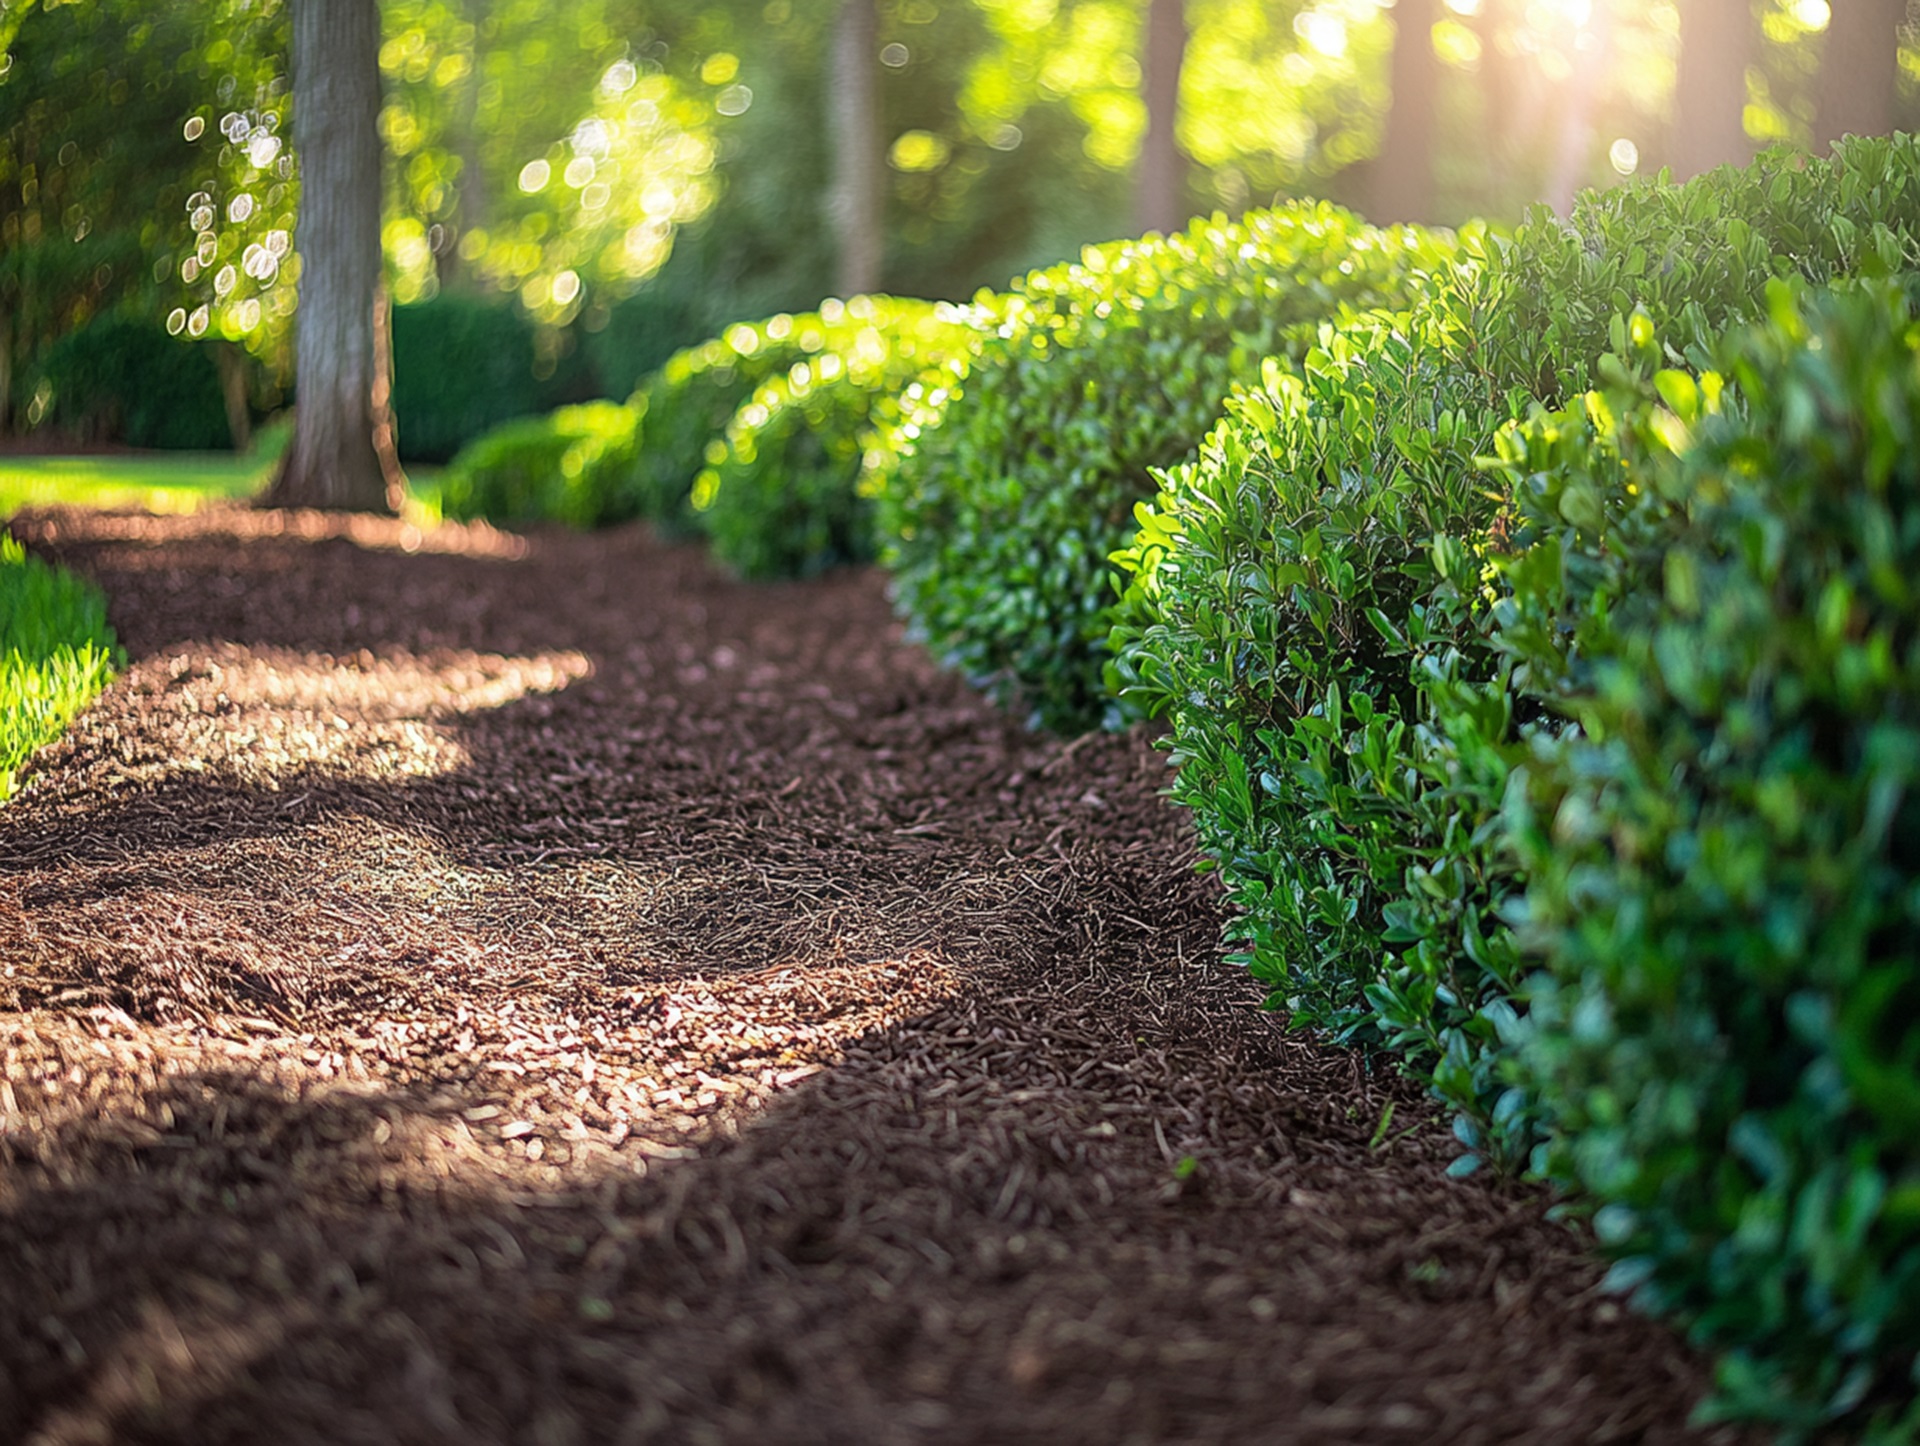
(458, 988)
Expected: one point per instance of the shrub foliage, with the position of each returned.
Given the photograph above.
(1019, 467)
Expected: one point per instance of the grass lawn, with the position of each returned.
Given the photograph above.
(168, 481)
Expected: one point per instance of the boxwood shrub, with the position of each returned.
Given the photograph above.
(1315, 597)
(1723, 859)
(783, 498)
(554, 468)
(1019, 468)
(685, 407)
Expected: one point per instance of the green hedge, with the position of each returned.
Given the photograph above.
(1019, 469)
(1723, 860)
(56, 654)
(121, 378)
(782, 499)
(1317, 594)
(556, 468)
(685, 408)
(463, 365)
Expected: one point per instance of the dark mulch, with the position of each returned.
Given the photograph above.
(454, 989)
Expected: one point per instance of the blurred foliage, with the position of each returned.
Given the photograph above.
(464, 363)
(542, 469)
(121, 378)
(566, 160)
(56, 654)
(1018, 470)
(782, 499)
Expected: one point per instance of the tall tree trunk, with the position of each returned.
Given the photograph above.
(1160, 198)
(1859, 70)
(342, 454)
(1402, 185)
(855, 207)
(1710, 97)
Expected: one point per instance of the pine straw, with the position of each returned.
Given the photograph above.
(456, 990)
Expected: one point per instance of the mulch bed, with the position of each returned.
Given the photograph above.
(459, 988)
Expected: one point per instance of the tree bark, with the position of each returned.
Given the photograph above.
(1402, 186)
(855, 207)
(1859, 70)
(341, 456)
(1710, 97)
(1160, 198)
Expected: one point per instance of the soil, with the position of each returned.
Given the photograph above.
(457, 987)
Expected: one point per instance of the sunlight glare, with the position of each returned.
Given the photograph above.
(1323, 32)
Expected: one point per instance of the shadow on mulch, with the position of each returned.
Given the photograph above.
(458, 994)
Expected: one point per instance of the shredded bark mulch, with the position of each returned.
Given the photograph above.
(464, 988)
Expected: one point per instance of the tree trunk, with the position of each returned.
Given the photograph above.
(1160, 198)
(1402, 187)
(341, 455)
(1859, 70)
(855, 207)
(1710, 97)
(230, 360)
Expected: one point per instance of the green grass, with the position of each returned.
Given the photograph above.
(56, 654)
(170, 481)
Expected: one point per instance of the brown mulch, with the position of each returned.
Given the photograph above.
(457, 988)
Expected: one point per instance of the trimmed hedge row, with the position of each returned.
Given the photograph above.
(1319, 603)
(562, 467)
(1722, 857)
(1019, 467)
(755, 439)
(1365, 689)
(783, 499)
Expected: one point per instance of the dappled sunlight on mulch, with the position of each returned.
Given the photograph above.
(463, 988)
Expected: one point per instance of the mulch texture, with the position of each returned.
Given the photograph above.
(464, 988)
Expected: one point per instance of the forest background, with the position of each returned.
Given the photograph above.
(574, 192)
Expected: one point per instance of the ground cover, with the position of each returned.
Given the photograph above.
(459, 988)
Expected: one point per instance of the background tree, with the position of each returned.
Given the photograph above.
(1859, 70)
(342, 455)
(1717, 43)
(1402, 185)
(855, 201)
(1161, 188)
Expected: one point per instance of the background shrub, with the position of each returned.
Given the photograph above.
(1350, 548)
(121, 378)
(56, 654)
(554, 468)
(685, 407)
(462, 365)
(1020, 467)
(783, 499)
(1723, 862)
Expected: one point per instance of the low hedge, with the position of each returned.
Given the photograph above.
(121, 378)
(463, 365)
(686, 406)
(56, 654)
(783, 498)
(556, 468)
(1019, 468)
(1316, 598)
(1722, 860)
